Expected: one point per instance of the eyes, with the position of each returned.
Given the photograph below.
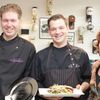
(57, 28)
(6, 20)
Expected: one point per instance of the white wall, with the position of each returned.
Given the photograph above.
(65, 7)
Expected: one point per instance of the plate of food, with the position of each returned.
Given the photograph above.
(60, 91)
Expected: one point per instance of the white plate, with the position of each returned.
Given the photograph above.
(44, 92)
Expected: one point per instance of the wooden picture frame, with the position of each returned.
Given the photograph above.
(71, 37)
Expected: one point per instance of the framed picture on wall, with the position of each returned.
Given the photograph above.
(94, 46)
(43, 28)
(71, 37)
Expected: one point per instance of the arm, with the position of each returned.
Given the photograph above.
(29, 62)
(93, 78)
(37, 71)
(93, 74)
(85, 73)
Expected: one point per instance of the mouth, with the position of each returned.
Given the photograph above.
(8, 30)
(58, 36)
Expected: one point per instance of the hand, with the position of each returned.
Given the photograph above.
(52, 98)
(78, 86)
(83, 87)
(96, 64)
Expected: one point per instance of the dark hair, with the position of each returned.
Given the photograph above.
(98, 41)
(55, 17)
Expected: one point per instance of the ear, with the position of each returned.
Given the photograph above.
(48, 30)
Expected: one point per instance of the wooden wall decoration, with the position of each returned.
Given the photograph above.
(49, 7)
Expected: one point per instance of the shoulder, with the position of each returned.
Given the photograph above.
(42, 55)
(79, 50)
(26, 43)
(44, 51)
(79, 53)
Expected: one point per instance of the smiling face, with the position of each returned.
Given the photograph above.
(10, 24)
(58, 32)
(89, 10)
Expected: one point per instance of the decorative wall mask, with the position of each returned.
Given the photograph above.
(71, 20)
(89, 16)
(90, 26)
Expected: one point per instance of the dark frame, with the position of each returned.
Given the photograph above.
(43, 28)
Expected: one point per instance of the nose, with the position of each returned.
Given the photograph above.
(9, 23)
(57, 30)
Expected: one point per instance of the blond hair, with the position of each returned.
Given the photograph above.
(11, 7)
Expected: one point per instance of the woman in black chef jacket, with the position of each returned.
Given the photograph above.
(95, 77)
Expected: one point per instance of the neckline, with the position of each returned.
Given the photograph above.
(69, 50)
(10, 41)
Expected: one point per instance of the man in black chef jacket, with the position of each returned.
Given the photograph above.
(61, 63)
(16, 54)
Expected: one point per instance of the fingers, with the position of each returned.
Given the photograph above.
(78, 86)
(53, 98)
